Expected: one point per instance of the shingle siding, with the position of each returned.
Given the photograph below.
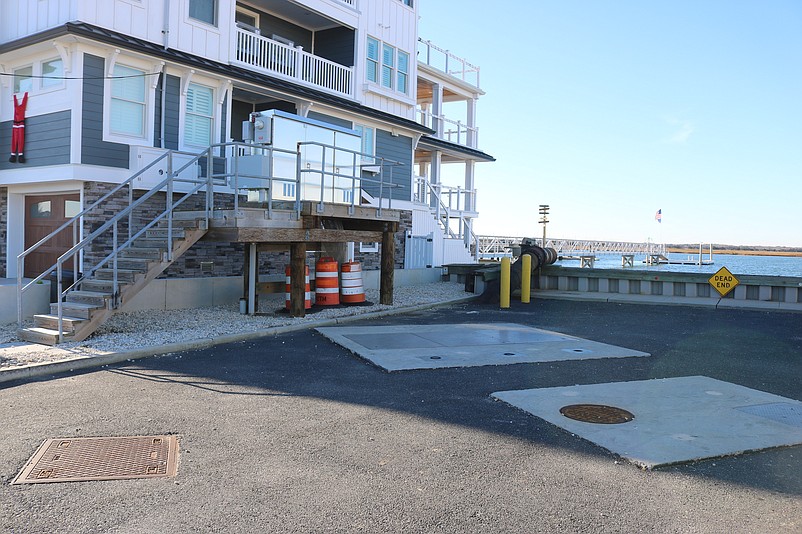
(95, 151)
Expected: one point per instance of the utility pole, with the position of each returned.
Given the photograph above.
(544, 219)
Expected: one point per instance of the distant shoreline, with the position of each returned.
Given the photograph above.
(736, 251)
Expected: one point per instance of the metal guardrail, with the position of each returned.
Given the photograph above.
(229, 181)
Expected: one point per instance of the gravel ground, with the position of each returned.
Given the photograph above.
(136, 330)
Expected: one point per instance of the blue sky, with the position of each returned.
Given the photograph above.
(610, 110)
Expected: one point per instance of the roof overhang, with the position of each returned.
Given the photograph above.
(454, 150)
(234, 73)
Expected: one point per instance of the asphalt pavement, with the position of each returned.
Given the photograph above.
(293, 433)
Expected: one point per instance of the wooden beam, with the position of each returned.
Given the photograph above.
(298, 276)
(292, 235)
(387, 268)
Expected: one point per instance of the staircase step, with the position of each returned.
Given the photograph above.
(123, 275)
(79, 310)
(134, 264)
(153, 242)
(70, 324)
(178, 233)
(101, 286)
(181, 223)
(89, 297)
(154, 253)
(45, 336)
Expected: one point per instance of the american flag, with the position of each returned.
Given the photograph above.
(659, 216)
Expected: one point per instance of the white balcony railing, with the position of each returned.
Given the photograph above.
(452, 131)
(275, 58)
(443, 60)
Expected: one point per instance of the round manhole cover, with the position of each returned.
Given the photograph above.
(596, 413)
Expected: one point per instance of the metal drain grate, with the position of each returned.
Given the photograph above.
(108, 458)
(596, 413)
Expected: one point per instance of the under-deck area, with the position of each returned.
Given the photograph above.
(318, 225)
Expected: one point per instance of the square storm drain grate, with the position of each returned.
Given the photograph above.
(107, 458)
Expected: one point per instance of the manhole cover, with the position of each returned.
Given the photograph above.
(81, 459)
(596, 413)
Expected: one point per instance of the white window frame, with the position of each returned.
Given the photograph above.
(387, 63)
(54, 84)
(28, 77)
(368, 145)
(143, 104)
(372, 246)
(248, 13)
(216, 14)
(184, 112)
(288, 189)
(146, 139)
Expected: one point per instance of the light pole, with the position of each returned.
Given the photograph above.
(544, 218)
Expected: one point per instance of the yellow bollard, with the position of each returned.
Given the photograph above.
(526, 278)
(504, 296)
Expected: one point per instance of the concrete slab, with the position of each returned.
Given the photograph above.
(676, 419)
(406, 347)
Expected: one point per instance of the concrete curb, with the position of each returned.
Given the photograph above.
(87, 362)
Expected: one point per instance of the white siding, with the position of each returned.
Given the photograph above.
(26, 17)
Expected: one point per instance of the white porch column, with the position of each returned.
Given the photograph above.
(434, 179)
(470, 194)
(437, 109)
(473, 141)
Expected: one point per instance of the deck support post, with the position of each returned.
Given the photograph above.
(253, 277)
(298, 276)
(387, 268)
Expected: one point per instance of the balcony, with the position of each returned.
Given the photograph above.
(449, 130)
(444, 61)
(274, 58)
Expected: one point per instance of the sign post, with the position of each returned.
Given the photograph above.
(723, 281)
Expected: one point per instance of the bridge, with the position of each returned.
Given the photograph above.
(495, 247)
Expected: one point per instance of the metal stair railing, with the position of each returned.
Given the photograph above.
(127, 214)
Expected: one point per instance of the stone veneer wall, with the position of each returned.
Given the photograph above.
(371, 261)
(3, 231)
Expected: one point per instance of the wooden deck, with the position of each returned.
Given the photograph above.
(285, 231)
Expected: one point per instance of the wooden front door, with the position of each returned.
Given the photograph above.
(43, 214)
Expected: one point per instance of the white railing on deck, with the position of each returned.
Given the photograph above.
(443, 60)
(273, 57)
(457, 132)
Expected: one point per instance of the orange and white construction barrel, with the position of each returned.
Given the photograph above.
(352, 290)
(288, 288)
(327, 291)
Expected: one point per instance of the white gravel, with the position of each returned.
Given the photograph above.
(136, 330)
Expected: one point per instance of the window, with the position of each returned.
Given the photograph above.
(41, 210)
(391, 70)
(372, 64)
(204, 11)
(71, 208)
(247, 19)
(52, 73)
(388, 64)
(403, 72)
(367, 134)
(127, 111)
(288, 189)
(23, 79)
(369, 247)
(199, 115)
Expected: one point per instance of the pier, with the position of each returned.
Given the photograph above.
(496, 247)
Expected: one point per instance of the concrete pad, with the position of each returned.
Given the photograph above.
(405, 347)
(676, 419)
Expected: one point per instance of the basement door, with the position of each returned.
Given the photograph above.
(43, 214)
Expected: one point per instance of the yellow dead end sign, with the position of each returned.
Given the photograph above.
(723, 281)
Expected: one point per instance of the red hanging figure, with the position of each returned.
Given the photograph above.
(18, 130)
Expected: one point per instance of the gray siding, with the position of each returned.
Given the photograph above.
(396, 148)
(270, 25)
(95, 151)
(172, 111)
(47, 141)
(336, 44)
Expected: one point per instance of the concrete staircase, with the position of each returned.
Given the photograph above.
(94, 300)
